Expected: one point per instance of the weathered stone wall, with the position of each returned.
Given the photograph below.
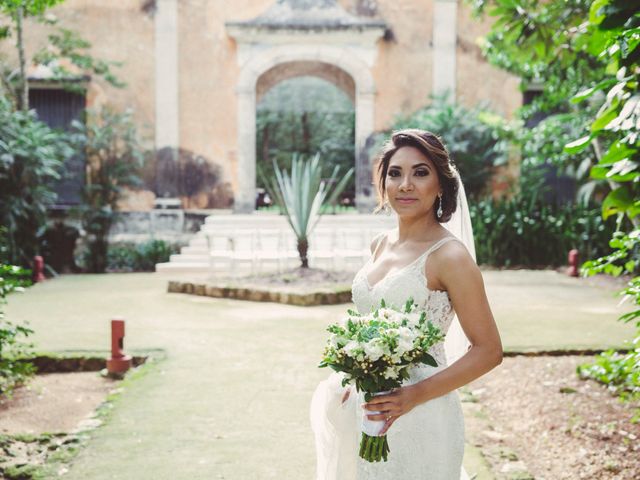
(477, 80)
(208, 69)
(118, 31)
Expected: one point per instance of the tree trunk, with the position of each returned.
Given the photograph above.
(23, 85)
(303, 247)
(266, 133)
(306, 134)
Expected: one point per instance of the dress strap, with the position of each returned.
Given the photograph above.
(421, 264)
(378, 238)
(438, 244)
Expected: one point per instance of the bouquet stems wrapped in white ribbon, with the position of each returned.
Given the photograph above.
(374, 351)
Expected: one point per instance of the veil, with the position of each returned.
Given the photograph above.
(456, 343)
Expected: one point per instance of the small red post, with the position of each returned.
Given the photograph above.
(119, 362)
(573, 263)
(38, 269)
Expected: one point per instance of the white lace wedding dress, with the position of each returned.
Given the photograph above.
(425, 444)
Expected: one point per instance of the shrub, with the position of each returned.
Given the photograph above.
(31, 159)
(513, 232)
(141, 257)
(13, 372)
(475, 146)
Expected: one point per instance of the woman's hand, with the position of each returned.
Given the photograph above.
(392, 405)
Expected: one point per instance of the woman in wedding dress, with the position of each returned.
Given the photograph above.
(430, 257)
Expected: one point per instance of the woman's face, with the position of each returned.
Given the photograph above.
(412, 183)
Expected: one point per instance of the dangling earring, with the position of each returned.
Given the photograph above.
(439, 212)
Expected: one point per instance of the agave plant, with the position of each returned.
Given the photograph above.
(302, 193)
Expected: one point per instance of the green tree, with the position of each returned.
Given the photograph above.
(13, 369)
(115, 158)
(31, 157)
(304, 116)
(588, 53)
(473, 143)
(543, 44)
(63, 44)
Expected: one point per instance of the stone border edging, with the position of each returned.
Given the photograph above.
(587, 352)
(319, 297)
(53, 364)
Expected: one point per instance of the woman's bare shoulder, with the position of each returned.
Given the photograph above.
(452, 259)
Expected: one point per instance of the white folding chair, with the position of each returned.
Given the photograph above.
(352, 245)
(243, 241)
(219, 248)
(269, 247)
(322, 246)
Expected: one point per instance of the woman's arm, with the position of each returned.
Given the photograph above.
(460, 276)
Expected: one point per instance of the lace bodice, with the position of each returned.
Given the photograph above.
(398, 286)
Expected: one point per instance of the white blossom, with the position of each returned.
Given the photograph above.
(373, 349)
(390, 372)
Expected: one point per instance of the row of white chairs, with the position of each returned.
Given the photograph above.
(230, 250)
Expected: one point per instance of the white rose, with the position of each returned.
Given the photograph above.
(413, 319)
(405, 340)
(373, 349)
(351, 348)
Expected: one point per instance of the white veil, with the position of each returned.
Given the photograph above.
(456, 343)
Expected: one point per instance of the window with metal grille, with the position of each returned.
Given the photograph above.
(58, 108)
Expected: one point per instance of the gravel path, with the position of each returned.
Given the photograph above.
(535, 415)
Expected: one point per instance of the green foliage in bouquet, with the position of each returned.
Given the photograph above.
(369, 375)
(375, 351)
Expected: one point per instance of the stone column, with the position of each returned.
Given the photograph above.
(245, 199)
(365, 196)
(444, 46)
(166, 74)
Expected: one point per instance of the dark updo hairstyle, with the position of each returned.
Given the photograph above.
(431, 147)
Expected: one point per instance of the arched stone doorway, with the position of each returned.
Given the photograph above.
(261, 70)
(305, 108)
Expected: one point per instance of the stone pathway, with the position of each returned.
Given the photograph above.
(230, 401)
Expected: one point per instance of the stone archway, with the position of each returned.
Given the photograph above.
(325, 71)
(343, 64)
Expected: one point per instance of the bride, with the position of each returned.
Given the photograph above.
(430, 257)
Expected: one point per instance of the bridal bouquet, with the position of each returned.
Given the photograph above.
(374, 351)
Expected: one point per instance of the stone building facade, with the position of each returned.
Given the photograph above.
(195, 70)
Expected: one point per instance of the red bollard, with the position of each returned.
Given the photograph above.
(119, 362)
(38, 269)
(573, 263)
